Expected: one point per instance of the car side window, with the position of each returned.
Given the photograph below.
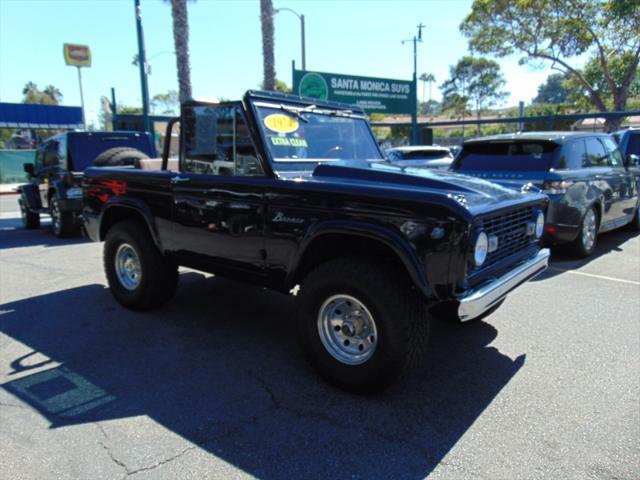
(62, 150)
(51, 153)
(615, 157)
(595, 156)
(217, 142)
(571, 155)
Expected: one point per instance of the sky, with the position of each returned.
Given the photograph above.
(357, 37)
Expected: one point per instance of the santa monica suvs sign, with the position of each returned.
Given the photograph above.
(375, 95)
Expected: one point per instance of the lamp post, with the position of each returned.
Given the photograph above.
(301, 18)
(414, 112)
(142, 60)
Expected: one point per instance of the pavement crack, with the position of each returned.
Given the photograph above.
(265, 386)
(161, 462)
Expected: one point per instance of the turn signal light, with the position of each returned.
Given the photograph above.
(556, 188)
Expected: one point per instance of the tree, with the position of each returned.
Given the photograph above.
(268, 62)
(166, 103)
(181, 42)
(475, 80)
(49, 96)
(558, 31)
(553, 90)
(593, 73)
(430, 79)
(280, 86)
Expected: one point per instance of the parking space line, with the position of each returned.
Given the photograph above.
(593, 275)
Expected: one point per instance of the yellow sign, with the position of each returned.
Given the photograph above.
(77, 55)
(280, 123)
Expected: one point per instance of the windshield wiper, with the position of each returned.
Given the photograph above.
(298, 112)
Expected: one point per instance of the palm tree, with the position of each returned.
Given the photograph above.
(266, 19)
(427, 78)
(181, 41)
(31, 93)
(52, 94)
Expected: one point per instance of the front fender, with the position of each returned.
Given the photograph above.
(400, 246)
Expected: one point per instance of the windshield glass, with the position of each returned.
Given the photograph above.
(309, 135)
(506, 156)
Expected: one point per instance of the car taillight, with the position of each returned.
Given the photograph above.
(556, 187)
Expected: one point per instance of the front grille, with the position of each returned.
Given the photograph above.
(511, 229)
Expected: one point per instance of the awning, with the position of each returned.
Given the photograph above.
(27, 115)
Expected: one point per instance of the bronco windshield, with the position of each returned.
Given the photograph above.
(301, 135)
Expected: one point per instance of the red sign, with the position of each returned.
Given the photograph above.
(77, 55)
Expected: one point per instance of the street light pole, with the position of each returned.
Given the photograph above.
(142, 60)
(414, 110)
(302, 36)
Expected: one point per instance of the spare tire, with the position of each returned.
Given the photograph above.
(120, 157)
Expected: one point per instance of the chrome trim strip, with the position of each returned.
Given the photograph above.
(476, 302)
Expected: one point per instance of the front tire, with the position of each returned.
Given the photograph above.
(139, 276)
(30, 220)
(358, 323)
(585, 243)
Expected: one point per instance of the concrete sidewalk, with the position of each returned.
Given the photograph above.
(9, 188)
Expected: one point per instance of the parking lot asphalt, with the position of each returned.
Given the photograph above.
(213, 385)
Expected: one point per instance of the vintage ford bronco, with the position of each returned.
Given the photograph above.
(294, 194)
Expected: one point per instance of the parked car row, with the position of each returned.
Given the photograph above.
(592, 182)
(296, 196)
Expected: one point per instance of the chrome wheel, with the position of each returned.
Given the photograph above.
(347, 329)
(589, 230)
(128, 267)
(56, 222)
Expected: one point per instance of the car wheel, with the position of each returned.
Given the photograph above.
(585, 242)
(359, 324)
(139, 276)
(30, 220)
(63, 224)
(635, 223)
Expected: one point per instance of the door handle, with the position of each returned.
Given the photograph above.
(179, 179)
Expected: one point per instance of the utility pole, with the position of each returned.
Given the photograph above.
(414, 110)
(142, 60)
(84, 118)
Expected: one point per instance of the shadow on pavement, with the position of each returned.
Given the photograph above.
(14, 235)
(219, 366)
(561, 258)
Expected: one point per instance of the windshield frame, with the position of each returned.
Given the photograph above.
(319, 108)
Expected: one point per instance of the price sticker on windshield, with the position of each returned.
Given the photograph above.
(277, 122)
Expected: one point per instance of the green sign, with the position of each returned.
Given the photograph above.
(374, 95)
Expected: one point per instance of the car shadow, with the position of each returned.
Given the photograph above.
(219, 366)
(14, 235)
(562, 260)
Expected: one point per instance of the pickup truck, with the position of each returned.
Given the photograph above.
(54, 179)
(307, 204)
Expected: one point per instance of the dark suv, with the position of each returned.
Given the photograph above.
(591, 185)
(55, 178)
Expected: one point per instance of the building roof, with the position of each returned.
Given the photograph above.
(26, 115)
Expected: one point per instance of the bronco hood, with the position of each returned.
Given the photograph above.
(473, 193)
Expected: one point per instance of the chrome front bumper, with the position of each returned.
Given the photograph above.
(476, 302)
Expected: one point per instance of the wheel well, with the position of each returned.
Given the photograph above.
(598, 208)
(330, 246)
(119, 214)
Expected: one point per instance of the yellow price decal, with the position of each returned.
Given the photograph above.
(280, 123)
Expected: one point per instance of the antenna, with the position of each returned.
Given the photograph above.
(420, 27)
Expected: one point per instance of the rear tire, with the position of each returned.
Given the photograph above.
(585, 243)
(30, 220)
(635, 223)
(359, 323)
(139, 276)
(63, 223)
(120, 157)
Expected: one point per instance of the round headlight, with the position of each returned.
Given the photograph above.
(539, 224)
(481, 249)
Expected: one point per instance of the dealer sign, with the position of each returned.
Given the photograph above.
(77, 55)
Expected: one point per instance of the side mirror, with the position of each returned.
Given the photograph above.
(632, 160)
(29, 168)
